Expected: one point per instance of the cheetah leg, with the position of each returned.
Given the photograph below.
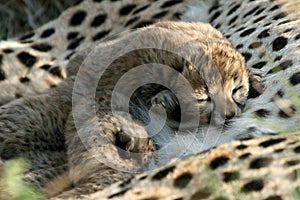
(105, 149)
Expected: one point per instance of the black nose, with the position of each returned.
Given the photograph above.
(230, 115)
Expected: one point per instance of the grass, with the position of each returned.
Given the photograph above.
(11, 184)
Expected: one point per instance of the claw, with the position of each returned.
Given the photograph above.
(256, 80)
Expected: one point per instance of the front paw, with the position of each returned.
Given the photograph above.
(167, 99)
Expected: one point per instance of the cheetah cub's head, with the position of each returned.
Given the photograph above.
(220, 84)
(215, 70)
(228, 95)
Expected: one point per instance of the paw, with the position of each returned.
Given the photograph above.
(126, 134)
(167, 99)
(256, 80)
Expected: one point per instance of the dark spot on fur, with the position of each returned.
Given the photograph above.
(141, 9)
(45, 67)
(27, 59)
(260, 162)
(247, 56)
(177, 15)
(78, 18)
(279, 16)
(278, 58)
(43, 47)
(98, 20)
(160, 15)
(143, 177)
(278, 150)
(27, 36)
(230, 176)
(264, 34)
(70, 55)
(292, 163)
(295, 79)
(219, 161)
(215, 16)
(47, 33)
(297, 37)
(232, 20)
(279, 43)
(254, 185)
(251, 11)
(259, 11)
(259, 65)
(239, 46)
(8, 50)
(247, 32)
(170, 3)
(100, 35)
(244, 156)
(163, 173)
(215, 7)
(218, 26)
(183, 180)
(143, 24)
(232, 10)
(284, 22)
(132, 20)
(259, 19)
(203, 193)
(284, 114)
(241, 146)
(75, 43)
(72, 35)
(127, 9)
(273, 197)
(18, 95)
(2, 75)
(274, 8)
(271, 142)
(262, 113)
(285, 64)
(97, 1)
(297, 149)
(24, 80)
(56, 71)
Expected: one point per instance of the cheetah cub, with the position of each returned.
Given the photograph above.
(127, 99)
(184, 74)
